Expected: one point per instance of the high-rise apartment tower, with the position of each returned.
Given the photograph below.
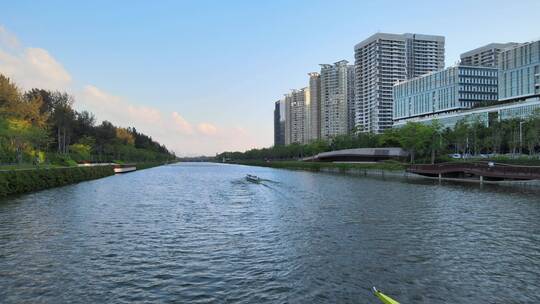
(337, 97)
(314, 106)
(487, 55)
(380, 61)
(279, 123)
(295, 116)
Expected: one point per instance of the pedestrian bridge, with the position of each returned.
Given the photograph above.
(482, 170)
(360, 155)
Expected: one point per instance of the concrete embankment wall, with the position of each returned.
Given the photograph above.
(23, 181)
(370, 172)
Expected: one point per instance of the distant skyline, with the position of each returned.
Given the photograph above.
(202, 76)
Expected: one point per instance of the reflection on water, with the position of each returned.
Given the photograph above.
(201, 233)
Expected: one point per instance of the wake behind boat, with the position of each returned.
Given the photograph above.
(253, 178)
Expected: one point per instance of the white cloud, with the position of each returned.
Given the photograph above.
(173, 130)
(207, 128)
(114, 108)
(181, 124)
(37, 68)
(30, 67)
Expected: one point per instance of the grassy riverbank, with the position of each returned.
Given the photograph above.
(318, 166)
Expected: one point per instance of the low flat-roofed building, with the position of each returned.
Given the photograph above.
(520, 109)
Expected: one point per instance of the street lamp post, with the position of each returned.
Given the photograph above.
(521, 137)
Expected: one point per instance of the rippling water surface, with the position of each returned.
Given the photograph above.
(199, 233)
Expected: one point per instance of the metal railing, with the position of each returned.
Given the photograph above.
(479, 168)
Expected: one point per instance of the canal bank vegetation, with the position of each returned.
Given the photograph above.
(23, 181)
(512, 141)
(41, 127)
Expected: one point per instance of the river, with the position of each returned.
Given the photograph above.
(200, 233)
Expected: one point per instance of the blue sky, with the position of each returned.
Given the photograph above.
(219, 65)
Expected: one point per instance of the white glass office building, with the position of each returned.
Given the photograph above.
(520, 71)
(520, 109)
(455, 88)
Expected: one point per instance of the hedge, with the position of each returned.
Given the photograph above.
(22, 181)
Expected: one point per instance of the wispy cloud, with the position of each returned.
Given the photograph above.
(181, 125)
(8, 39)
(183, 136)
(207, 129)
(31, 67)
(37, 68)
(116, 109)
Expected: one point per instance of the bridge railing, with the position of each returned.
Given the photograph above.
(478, 168)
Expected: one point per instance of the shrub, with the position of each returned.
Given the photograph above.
(21, 181)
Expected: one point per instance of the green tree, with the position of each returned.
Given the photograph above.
(23, 136)
(389, 138)
(532, 132)
(436, 141)
(414, 137)
(461, 136)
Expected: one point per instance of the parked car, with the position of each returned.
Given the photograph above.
(455, 156)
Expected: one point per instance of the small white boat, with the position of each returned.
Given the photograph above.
(124, 168)
(253, 178)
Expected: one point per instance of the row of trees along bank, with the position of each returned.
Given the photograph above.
(42, 126)
(426, 143)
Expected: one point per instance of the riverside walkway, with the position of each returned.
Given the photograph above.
(481, 170)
